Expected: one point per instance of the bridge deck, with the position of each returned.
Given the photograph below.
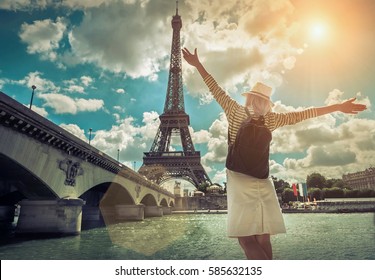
(18, 117)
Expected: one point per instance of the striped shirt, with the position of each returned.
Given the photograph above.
(236, 113)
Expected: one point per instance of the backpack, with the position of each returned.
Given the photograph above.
(249, 154)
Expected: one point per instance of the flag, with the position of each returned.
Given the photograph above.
(300, 189)
(304, 186)
(295, 190)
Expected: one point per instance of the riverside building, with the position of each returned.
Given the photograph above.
(361, 180)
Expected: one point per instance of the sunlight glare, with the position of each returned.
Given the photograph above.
(318, 31)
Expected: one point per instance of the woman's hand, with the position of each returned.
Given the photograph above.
(193, 60)
(190, 58)
(349, 107)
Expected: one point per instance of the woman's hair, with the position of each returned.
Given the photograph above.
(260, 105)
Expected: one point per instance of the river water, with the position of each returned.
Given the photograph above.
(202, 237)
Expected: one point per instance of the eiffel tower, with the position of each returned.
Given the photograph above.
(160, 163)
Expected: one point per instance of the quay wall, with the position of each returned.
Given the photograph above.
(209, 202)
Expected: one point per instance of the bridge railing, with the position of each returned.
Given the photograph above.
(18, 117)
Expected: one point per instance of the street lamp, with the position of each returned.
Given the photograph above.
(118, 154)
(32, 95)
(90, 130)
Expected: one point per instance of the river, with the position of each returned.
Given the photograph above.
(202, 236)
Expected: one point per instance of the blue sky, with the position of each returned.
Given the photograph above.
(103, 64)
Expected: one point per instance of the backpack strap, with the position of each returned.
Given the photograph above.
(248, 114)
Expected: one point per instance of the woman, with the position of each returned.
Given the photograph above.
(253, 209)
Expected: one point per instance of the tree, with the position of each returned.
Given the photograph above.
(333, 192)
(280, 184)
(315, 193)
(203, 187)
(336, 183)
(316, 180)
(287, 195)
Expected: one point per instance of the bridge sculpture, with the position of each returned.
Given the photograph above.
(57, 178)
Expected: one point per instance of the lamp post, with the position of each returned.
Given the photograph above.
(32, 95)
(90, 130)
(118, 155)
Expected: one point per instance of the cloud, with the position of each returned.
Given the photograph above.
(76, 88)
(349, 148)
(217, 143)
(236, 46)
(120, 91)
(35, 78)
(75, 130)
(3, 82)
(43, 37)
(36, 109)
(86, 80)
(63, 104)
(42, 4)
(131, 139)
(114, 38)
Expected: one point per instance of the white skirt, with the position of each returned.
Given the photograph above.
(253, 207)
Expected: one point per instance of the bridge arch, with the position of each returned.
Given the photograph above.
(18, 182)
(149, 200)
(116, 194)
(164, 203)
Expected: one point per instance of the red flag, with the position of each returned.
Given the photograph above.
(295, 190)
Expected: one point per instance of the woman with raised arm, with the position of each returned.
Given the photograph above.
(253, 208)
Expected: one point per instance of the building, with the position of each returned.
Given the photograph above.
(361, 180)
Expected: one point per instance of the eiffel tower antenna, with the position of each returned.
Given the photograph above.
(162, 163)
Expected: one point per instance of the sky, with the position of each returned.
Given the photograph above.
(103, 64)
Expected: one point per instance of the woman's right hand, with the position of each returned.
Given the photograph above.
(190, 58)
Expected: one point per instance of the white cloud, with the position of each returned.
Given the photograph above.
(86, 80)
(75, 130)
(63, 104)
(3, 82)
(35, 78)
(36, 109)
(76, 88)
(114, 38)
(120, 91)
(217, 143)
(43, 37)
(119, 109)
(131, 139)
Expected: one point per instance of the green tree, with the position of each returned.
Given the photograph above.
(315, 193)
(316, 180)
(287, 195)
(203, 187)
(280, 184)
(339, 183)
(333, 192)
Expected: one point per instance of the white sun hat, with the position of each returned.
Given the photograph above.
(261, 90)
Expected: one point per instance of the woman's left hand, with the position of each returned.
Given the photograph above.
(349, 107)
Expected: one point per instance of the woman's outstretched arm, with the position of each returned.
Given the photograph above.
(193, 60)
(347, 107)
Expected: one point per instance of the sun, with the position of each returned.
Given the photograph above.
(318, 31)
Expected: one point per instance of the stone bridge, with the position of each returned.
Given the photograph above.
(60, 181)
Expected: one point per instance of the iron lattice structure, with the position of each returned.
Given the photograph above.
(161, 164)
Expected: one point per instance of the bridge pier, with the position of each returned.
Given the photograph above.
(6, 215)
(167, 210)
(130, 212)
(61, 217)
(153, 211)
